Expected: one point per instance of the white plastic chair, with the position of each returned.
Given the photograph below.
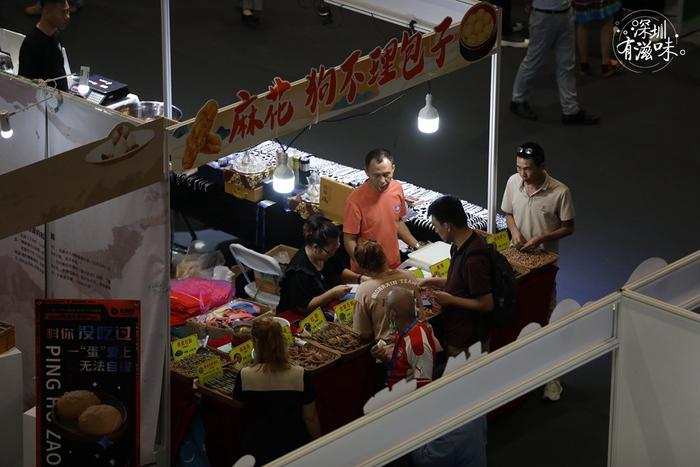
(247, 258)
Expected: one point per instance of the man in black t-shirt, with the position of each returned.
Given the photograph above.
(40, 56)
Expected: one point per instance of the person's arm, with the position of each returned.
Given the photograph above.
(347, 277)
(406, 235)
(434, 282)
(482, 303)
(336, 293)
(566, 229)
(515, 235)
(311, 420)
(350, 243)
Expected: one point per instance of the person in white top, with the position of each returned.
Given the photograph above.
(539, 211)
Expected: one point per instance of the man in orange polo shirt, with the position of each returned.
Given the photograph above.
(375, 211)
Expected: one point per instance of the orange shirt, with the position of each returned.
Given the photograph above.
(372, 215)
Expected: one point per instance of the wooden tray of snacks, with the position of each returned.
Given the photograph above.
(341, 339)
(313, 357)
(7, 336)
(187, 367)
(520, 271)
(221, 387)
(531, 260)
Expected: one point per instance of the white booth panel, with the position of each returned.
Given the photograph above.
(656, 408)
(677, 284)
(467, 393)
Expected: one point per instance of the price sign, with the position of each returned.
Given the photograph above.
(500, 239)
(344, 312)
(242, 354)
(287, 333)
(314, 322)
(209, 369)
(440, 269)
(184, 347)
(418, 273)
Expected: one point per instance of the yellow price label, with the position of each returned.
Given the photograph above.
(314, 322)
(440, 269)
(418, 273)
(344, 312)
(184, 347)
(242, 354)
(500, 239)
(287, 333)
(209, 369)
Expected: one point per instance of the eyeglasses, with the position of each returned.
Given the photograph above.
(328, 252)
(528, 151)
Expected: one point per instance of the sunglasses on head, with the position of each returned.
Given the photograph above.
(528, 151)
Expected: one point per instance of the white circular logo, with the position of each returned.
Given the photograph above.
(645, 41)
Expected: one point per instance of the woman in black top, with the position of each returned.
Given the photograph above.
(314, 277)
(277, 396)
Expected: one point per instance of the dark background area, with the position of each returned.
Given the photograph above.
(633, 178)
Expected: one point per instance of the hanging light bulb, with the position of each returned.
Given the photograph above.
(283, 176)
(428, 118)
(5, 128)
(83, 86)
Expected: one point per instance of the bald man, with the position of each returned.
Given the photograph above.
(415, 347)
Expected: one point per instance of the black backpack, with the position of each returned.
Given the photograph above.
(503, 285)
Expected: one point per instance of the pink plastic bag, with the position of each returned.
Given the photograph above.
(194, 296)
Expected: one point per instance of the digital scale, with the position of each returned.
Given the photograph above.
(104, 91)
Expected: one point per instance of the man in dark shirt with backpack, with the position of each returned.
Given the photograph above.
(40, 56)
(466, 296)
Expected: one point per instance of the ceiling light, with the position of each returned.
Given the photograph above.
(428, 118)
(5, 128)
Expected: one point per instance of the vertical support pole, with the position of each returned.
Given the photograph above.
(167, 69)
(494, 101)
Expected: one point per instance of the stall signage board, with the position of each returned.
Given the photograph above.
(184, 347)
(344, 312)
(287, 333)
(243, 354)
(209, 369)
(314, 322)
(500, 239)
(90, 346)
(440, 269)
(325, 92)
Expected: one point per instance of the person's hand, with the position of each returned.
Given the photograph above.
(339, 291)
(528, 7)
(442, 298)
(532, 244)
(382, 353)
(427, 283)
(437, 308)
(518, 240)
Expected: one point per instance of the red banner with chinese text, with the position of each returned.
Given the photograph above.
(326, 92)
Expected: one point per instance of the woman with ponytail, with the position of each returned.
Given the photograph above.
(314, 277)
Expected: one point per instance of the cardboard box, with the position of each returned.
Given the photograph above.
(333, 196)
(245, 186)
(270, 284)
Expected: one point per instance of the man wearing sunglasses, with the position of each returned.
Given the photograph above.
(539, 211)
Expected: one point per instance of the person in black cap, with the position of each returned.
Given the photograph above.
(41, 55)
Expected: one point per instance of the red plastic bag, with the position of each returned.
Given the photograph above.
(194, 296)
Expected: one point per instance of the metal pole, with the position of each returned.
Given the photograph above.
(167, 72)
(493, 128)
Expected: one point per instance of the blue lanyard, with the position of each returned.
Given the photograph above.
(394, 354)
